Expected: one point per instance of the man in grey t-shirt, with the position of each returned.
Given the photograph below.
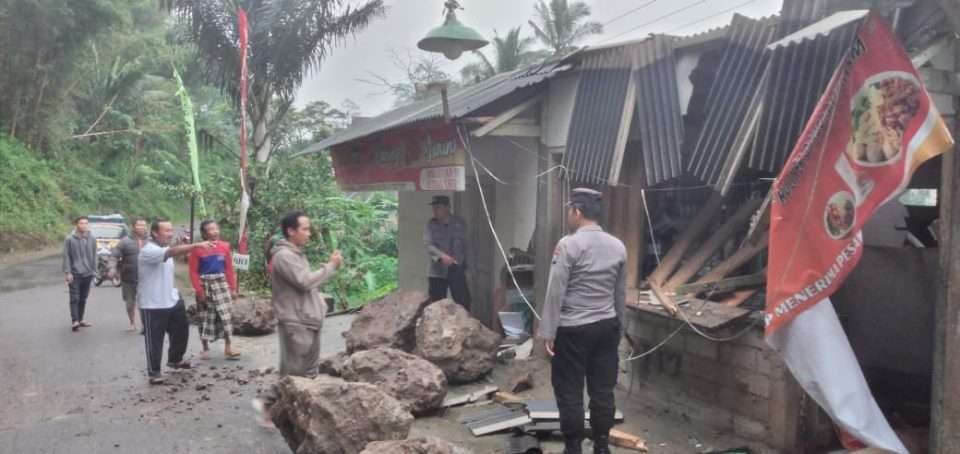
(445, 238)
(79, 266)
(582, 320)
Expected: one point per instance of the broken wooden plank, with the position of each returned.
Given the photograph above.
(626, 440)
(746, 253)
(713, 244)
(503, 397)
(723, 285)
(506, 116)
(739, 297)
(762, 223)
(704, 314)
(696, 228)
(665, 300)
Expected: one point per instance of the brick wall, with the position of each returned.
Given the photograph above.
(740, 386)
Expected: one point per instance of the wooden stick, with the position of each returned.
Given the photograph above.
(629, 441)
(723, 285)
(739, 297)
(738, 259)
(503, 397)
(664, 299)
(713, 244)
(700, 223)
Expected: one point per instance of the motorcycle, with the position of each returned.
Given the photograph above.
(105, 269)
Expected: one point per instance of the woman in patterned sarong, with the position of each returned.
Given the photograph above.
(215, 284)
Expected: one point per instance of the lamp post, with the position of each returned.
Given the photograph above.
(452, 38)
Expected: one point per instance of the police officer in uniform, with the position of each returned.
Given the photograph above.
(445, 238)
(582, 320)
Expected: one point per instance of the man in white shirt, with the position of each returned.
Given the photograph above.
(161, 308)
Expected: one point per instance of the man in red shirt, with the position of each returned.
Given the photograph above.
(215, 285)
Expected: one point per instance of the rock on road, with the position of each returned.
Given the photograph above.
(86, 392)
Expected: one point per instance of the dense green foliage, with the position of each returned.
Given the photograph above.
(90, 123)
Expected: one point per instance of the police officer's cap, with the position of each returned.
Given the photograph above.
(585, 196)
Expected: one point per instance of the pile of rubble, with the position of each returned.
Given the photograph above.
(402, 353)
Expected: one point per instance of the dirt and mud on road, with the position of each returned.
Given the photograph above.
(86, 392)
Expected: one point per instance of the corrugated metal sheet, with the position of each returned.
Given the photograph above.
(738, 76)
(462, 102)
(604, 89)
(801, 66)
(597, 113)
(797, 14)
(658, 111)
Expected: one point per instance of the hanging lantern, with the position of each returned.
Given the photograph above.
(452, 38)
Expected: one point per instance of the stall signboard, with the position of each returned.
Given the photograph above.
(406, 160)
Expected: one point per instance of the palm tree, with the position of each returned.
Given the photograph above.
(560, 26)
(511, 52)
(288, 40)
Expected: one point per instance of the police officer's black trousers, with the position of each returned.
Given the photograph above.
(456, 282)
(587, 351)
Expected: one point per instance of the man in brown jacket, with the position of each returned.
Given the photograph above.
(296, 300)
(298, 304)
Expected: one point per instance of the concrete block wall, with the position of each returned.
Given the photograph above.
(739, 387)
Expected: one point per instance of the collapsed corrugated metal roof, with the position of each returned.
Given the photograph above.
(614, 82)
(737, 79)
(658, 111)
(801, 66)
(462, 102)
(597, 115)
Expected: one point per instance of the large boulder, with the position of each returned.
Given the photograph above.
(250, 316)
(456, 342)
(388, 322)
(333, 364)
(253, 317)
(412, 380)
(423, 445)
(330, 416)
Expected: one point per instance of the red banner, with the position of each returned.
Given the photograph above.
(870, 131)
(243, 31)
(406, 160)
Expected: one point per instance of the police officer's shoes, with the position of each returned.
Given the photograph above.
(601, 445)
(573, 446)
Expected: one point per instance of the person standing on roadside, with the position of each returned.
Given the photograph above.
(297, 302)
(445, 238)
(161, 307)
(215, 287)
(582, 321)
(126, 254)
(79, 266)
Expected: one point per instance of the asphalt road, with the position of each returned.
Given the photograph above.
(86, 392)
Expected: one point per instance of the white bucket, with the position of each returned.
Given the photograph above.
(513, 324)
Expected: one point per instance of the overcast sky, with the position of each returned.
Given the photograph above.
(407, 21)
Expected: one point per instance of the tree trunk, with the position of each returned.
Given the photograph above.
(261, 136)
(16, 116)
(106, 109)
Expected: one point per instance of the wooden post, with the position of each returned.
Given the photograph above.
(945, 407)
(700, 224)
(549, 222)
(739, 219)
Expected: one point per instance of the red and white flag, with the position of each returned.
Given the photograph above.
(243, 31)
(871, 129)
